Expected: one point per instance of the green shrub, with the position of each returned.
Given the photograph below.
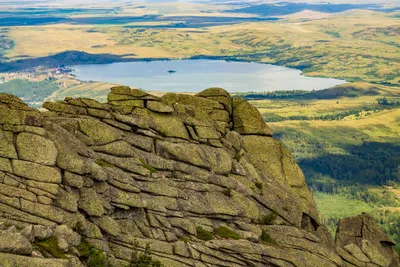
(225, 232)
(144, 259)
(268, 219)
(266, 238)
(50, 246)
(92, 256)
(204, 234)
(97, 258)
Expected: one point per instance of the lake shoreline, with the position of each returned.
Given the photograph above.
(196, 74)
(83, 58)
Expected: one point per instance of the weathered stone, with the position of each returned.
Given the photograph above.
(67, 201)
(65, 108)
(362, 238)
(159, 107)
(219, 95)
(14, 243)
(128, 104)
(140, 141)
(196, 102)
(35, 148)
(50, 188)
(118, 148)
(356, 252)
(91, 103)
(7, 148)
(35, 130)
(129, 199)
(5, 165)
(99, 113)
(235, 139)
(66, 237)
(72, 162)
(108, 225)
(99, 132)
(198, 155)
(125, 90)
(12, 191)
(44, 211)
(36, 172)
(90, 202)
(247, 119)
(133, 120)
(167, 125)
(207, 132)
(220, 116)
(11, 260)
(73, 180)
(42, 233)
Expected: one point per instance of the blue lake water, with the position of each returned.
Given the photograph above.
(197, 75)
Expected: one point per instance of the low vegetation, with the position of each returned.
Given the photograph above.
(268, 219)
(227, 233)
(92, 256)
(267, 239)
(50, 247)
(32, 93)
(144, 259)
(203, 234)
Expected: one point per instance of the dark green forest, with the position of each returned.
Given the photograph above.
(367, 163)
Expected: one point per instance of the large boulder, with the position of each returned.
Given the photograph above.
(360, 240)
(248, 120)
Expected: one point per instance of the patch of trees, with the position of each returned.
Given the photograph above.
(273, 95)
(334, 116)
(352, 191)
(386, 102)
(32, 93)
(368, 163)
(333, 33)
(330, 93)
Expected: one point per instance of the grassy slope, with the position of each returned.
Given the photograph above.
(337, 206)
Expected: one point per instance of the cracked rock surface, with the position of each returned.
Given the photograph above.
(198, 178)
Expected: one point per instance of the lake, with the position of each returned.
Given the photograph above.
(197, 75)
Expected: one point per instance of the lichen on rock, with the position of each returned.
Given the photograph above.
(197, 179)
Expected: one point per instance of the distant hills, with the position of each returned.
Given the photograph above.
(286, 8)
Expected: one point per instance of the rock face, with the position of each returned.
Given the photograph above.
(198, 178)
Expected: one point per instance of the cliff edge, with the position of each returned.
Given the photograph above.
(198, 180)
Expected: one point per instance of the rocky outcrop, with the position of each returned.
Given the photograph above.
(197, 178)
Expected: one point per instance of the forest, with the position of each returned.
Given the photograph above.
(32, 93)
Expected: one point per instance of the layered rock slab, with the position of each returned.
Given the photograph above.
(198, 178)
